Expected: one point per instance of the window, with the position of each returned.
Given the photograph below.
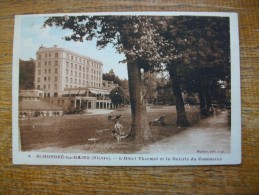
(39, 56)
(48, 78)
(56, 70)
(39, 72)
(71, 65)
(45, 71)
(39, 64)
(38, 86)
(79, 82)
(45, 63)
(50, 55)
(48, 86)
(44, 86)
(76, 66)
(38, 79)
(67, 64)
(45, 79)
(56, 55)
(71, 80)
(55, 94)
(46, 56)
(56, 78)
(83, 69)
(75, 81)
(56, 62)
(79, 74)
(66, 79)
(72, 57)
(67, 56)
(71, 73)
(49, 63)
(55, 86)
(80, 67)
(66, 71)
(75, 74)
(83, 75)
(49, 70)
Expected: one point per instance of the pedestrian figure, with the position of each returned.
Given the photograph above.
(117, 132)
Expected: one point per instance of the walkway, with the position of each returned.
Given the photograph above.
(211, 134)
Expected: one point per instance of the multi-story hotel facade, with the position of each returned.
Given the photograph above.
(67, 79)
(58, 69)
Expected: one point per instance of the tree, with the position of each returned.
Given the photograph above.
(26, 74)
(125, 87)
(201, 54)
(136, 38)
(150, 86)
(110, 76)
(117, 96)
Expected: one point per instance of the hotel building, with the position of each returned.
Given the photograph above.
(68, 78)
(58, 69)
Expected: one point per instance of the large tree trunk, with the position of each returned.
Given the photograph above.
(207, 98)
(202, 100)
(140, 130)
(181, 114)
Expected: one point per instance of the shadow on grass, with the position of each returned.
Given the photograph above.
(74, 131)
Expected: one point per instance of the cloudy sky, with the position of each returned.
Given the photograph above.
(32, 35)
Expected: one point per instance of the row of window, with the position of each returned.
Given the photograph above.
(47, 71)
(48, 86)
(69, 57)
(81, 82)
(82, 76)
(80, 68)
(47, 56)
(45, 63)
(82, 61)
(88, 84)
(47, 79)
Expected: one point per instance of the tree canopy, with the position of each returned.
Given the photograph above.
(26, 74)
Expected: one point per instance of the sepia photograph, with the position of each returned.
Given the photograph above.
(126, 89)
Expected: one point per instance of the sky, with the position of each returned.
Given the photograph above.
(33, 35)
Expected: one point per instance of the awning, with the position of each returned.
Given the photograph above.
(104, 92)
(81, 92)
(73, 92)
(93, 91)
(65, 92)
(99, 91)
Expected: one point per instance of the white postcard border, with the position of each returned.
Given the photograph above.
(79, 159)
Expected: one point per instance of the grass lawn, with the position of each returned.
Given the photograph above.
(74, 131)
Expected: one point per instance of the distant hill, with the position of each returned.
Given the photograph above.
(26, 75)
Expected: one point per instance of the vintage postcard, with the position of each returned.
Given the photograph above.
(126, 89)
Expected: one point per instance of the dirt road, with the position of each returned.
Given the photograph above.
(210, 134)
